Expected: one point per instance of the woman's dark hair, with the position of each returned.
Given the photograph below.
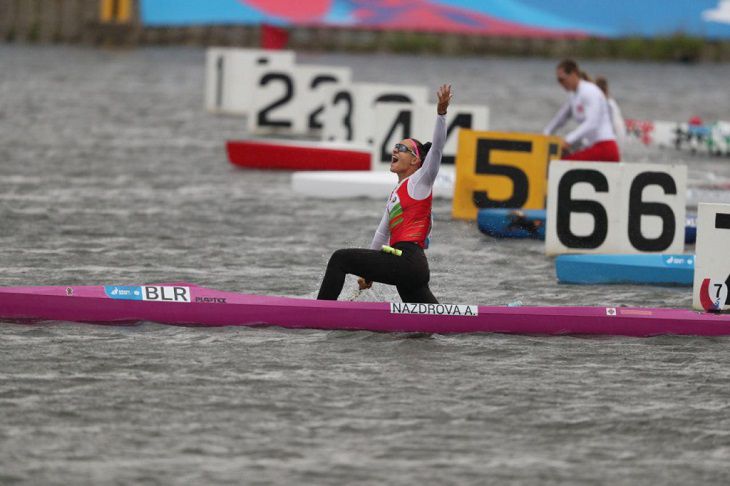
(423, 149)
(568, 66)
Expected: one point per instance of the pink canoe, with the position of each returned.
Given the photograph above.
(189, 305)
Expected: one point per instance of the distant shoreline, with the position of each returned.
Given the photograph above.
(677, 48)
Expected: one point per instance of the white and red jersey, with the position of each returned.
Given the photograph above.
(588, 106)
(407, 215)
(409, 219)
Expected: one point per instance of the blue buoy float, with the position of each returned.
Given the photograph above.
(642, 268)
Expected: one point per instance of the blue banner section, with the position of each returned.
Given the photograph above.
(530, 18)
(190, 12)
(702, 18)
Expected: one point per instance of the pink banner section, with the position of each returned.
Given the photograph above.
(515, 18)
(397, 15)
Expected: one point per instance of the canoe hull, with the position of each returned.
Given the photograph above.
(254, 154)
(209, 307)
(512, 223)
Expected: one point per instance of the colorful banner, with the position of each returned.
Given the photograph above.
(524, 18)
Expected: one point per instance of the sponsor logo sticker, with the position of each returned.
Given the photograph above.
(636, 312)
(210, 300)
(434, 309)
(122, 292)
(679, 261)
(610, 311)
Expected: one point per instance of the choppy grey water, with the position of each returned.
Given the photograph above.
(112, 172)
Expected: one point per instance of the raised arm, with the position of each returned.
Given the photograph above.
(558, 120)
(421, 183)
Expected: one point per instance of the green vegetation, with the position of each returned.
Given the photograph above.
(411, 42)
(676, 48)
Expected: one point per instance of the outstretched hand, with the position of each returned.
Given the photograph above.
(444, 95)
(567, 148)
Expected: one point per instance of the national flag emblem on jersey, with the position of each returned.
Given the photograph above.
(395, 212)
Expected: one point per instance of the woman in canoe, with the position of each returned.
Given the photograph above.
(396, 255)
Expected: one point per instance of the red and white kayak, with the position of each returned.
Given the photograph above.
(297, 155)
(184, 304)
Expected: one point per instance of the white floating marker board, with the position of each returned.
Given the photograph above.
(712, 262)
(350, 112)
(664, 133)
(291, 100)
(396, 121)
(228, 80)
(600, 207)
(721, 137)
(370, 184)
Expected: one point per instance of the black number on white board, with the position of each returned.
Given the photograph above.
(722, 221)
(263, 115)
(345, 97)
(392, 98)
(520, 184)
(567, 206)
(314, 123)
(719, 288)
(461, 120)
(402, 121)
(639, 208)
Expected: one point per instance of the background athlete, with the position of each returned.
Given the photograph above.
(588, 106)
(617, 118)
(405, 226)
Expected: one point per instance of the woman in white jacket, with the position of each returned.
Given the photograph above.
(588, 106)
(617, 119)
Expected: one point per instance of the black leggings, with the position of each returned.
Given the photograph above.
(408, 272)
